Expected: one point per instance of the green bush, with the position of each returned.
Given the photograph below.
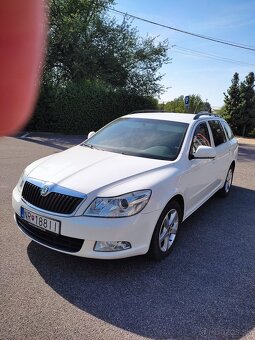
(81, 107)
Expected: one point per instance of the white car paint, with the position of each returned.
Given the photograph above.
(97, 173)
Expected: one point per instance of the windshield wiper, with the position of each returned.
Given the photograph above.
(92, 147)
(88, 145)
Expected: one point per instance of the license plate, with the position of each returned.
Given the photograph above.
(40, 222)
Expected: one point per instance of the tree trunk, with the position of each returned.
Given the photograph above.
(244, 128)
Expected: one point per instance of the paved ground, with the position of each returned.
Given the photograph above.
(204, 290)
(249, 141)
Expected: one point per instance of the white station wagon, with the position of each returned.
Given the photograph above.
(126, 189)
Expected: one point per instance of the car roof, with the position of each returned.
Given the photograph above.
(173, 116)
(170, 116)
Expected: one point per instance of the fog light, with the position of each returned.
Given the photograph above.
(111, 245)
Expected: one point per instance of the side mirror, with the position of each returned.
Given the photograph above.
(91, 134)
(204, 152)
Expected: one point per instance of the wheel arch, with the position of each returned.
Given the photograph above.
(180, 200)
(233, 165)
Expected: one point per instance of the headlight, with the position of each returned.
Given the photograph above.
(21, 181)
(120, 206)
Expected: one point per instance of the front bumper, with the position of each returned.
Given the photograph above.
(80, 233)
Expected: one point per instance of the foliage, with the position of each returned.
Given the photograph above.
(232, 102)
(196, 105)
(247, 100)
(84, 43)
(84, 106)
(252, 134)
(176, 105)
(96, 68)
(222, 113)
(240, 104)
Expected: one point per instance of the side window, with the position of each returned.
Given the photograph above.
(228, 130)
(217, 131)
(201, 137)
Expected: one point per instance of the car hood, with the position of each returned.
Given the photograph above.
(86, 170)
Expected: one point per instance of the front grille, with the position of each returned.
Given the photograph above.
(57, 241)
(54, 202)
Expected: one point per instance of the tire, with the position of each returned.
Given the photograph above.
(164, 234)
(224, 192)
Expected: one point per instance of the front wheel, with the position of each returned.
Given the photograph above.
(228, 183)
(165, 231)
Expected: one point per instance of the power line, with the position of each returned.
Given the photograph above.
(188, 51)
(220, 41)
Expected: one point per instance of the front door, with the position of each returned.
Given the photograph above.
(198, 181)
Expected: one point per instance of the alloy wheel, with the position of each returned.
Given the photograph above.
(228, 180)
(168, 230)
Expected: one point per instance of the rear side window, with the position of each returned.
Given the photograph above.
(217, 131)
(201, 137)
(228, 130)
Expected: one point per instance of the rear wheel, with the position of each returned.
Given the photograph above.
(228, 183)
(165, 231)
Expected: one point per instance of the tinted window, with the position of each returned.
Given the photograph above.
(149, 138)
(217, 131)
(228, 130)
(201, 137)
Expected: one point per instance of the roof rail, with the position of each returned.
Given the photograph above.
(204, 113)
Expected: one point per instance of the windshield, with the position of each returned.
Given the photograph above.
(150, 138)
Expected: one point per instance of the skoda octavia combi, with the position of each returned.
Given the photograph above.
(126, 189)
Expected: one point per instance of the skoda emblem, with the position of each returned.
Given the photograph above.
(45, 190)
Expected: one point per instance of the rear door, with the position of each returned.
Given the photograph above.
(232, 142)
(222, 147)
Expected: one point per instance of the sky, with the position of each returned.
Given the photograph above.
(192, 74)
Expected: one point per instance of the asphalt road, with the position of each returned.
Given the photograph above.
(204, 290)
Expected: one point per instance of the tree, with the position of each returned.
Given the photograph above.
(247, 108)
(239, 104)
(176, 105)
(232, 103)
(196, 105)
(85, 44)
(222, 112)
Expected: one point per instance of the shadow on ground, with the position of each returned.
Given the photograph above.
(60, 142)
(204, 289)
(246, 153)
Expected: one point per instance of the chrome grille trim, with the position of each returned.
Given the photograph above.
(58, 200)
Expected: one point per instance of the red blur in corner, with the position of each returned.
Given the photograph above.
(22, 45)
